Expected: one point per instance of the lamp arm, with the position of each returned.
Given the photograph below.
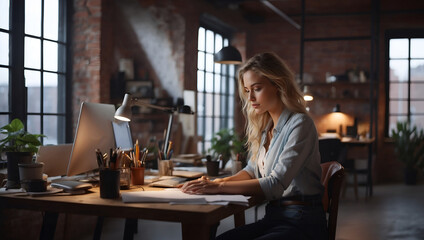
(135, 102)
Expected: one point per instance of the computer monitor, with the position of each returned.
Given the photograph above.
(94, 131)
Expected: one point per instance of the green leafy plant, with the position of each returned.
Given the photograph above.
(17, 139)
(409, 145)
(225, 142)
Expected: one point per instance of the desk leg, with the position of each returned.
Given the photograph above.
(239, 219)
(49, 225)
(130, 228)
(369, 177)
(198, 232)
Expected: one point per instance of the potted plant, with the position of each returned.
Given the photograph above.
(409, 148)
(226, 143)
(19, 146)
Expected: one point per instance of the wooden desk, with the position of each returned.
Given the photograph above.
(197, 221)
(367, 142)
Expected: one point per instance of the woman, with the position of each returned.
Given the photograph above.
(284, 165)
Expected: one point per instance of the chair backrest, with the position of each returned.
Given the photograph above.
(332, 178)
(330, 149)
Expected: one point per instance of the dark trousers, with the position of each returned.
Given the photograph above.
(288, 222)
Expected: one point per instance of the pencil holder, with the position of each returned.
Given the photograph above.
(109, 183)
(125, 178)
(137, 175)
(165, 167)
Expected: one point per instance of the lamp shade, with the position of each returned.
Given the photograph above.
(337, 108)
(228, 55)
(124, 113)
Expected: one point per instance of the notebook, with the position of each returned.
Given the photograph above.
(55, 158)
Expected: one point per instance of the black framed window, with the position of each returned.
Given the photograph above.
(215, 88)
(33, 69)
(405, 78)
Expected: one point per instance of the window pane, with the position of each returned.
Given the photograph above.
(209, 62)
(417, 90)
(217, 103)
(50, 129)
(33, 84)
(418, 120)
(231, 70)
(231, 84)
(4, 48)
(34, 124)
(417, 48)
(224, 83)
(4, 14)
(417, 70)
(231, 123)
(217, 67)
(208, 129)
(230, 106)
(209, 41)
(417, 107)
(50, 56)
(200, 81)
(399, 70)
(33, 17)
(200, 126)
(4, 90)
(217, 83)
(209, 82)
(50, 95)
(398, 107)
(201, 60)
(218, 42)
(200, 104)
(201, 39)
(217, 125)
(399, 90)
(398, 48)
(209, 105)
(51, 19)
(393, 120)
(4, 119)
(32, 53)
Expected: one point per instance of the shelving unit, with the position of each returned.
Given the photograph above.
(359, 97)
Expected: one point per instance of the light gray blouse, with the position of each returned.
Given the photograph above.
(292, 163)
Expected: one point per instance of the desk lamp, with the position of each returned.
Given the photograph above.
(123, 113)
(228, 55)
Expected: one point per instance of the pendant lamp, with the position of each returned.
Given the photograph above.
(228, 55)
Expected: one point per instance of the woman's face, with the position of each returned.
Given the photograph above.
(261, 93)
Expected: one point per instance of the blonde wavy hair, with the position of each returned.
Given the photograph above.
(273, 68)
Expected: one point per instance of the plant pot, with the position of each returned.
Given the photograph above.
(13, 159)
(30, 171)
(410, 176)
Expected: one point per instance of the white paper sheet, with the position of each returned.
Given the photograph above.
(176, 196)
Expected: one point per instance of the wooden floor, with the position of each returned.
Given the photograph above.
(395, 211)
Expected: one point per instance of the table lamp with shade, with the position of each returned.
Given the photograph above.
(124, 113)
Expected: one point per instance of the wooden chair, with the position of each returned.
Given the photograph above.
(332, 179)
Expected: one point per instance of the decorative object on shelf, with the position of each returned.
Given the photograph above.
(228, 55)
(307, 95)
(126, 65)
(140, 89)
(409, 148)
(20, 147)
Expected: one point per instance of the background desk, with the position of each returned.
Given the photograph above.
(367, 142)
(197, 221)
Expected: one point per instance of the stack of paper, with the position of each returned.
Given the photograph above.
(176, 196)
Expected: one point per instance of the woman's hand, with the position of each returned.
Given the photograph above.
(201, 186)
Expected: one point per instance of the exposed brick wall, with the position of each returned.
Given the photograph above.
(86, 58)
